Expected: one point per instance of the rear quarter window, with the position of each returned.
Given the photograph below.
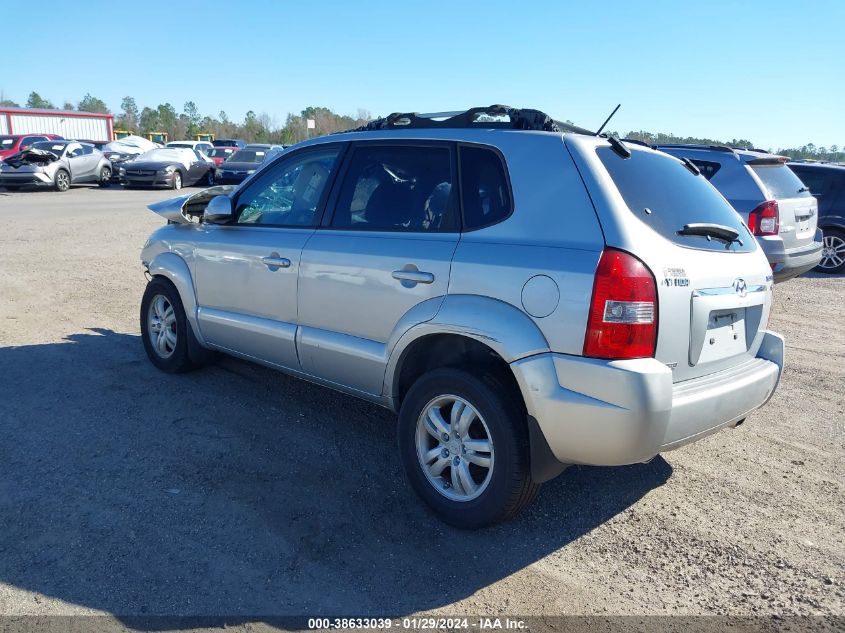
(661, 192)
(780, 181)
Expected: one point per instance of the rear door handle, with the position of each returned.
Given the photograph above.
(274, 262)
(414, 276)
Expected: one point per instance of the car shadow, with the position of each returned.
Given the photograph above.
(236, 491)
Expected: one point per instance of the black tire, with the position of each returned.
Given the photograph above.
(62, 180)
(12, 188)
(833, 239)
(510, 487)
(176, 181)
(209, 178)
(105, 177)
(180, 358)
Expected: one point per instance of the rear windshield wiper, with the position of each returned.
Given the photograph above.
(712, 231)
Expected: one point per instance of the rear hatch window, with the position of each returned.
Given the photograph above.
(780, 181)
(667, 196)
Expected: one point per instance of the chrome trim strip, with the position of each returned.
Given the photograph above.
(730, 290)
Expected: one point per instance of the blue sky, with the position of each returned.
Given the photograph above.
(769, 71)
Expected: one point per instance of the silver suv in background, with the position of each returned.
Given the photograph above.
(775, 204)
(524, 294)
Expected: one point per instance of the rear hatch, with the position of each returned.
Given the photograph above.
(797, 208)
(713, 281)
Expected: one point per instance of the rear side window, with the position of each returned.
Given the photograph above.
(707, 168)
(397, 188)
(780, 181)
(667, 196)
(485, 193)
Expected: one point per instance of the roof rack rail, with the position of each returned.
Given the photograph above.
(718, 148)
(753, 149)
(494, 116)
(638, 142)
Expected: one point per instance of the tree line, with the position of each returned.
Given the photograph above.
(264, 128)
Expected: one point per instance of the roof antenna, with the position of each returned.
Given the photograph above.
(608, 119)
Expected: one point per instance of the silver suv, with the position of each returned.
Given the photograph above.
(775, 204)
(524, 295)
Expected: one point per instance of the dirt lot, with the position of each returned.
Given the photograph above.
(236, 490)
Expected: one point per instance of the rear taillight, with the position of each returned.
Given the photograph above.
(765, 219)
(623, 312)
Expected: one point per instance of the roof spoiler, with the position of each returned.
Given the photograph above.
(494, 116)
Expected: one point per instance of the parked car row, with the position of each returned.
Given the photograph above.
(798, 226)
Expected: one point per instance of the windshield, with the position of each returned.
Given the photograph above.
(188, 145)
(780, 181)
(166, 154)
(49, 146)
(217, 152)
(248, 156)
(7, 142)
(661, 192)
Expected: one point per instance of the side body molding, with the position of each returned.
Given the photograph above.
(174, 268)
(504, 328)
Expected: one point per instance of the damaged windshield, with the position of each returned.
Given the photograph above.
(47, 146)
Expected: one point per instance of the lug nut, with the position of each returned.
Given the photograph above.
(445, 453)
(445, 437)
(456, 461)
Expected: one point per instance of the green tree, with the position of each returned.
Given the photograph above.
(68, 105)
(90, 103)
(35, 100)
(194, 118)
(149, 121)
(129, 119)
(8, 103)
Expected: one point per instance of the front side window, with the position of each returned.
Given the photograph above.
(398, 188)
(290, 193)
(484, 187)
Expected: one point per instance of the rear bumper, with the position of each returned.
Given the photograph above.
(623, 412)
(787, 264)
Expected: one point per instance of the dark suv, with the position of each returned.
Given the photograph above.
(827, 183)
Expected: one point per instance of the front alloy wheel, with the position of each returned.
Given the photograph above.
(833, 253)
(177, 180)
(62, 180)
(161, 325)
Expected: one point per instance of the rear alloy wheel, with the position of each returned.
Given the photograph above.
(833, 252)
(105, 176)
(176, 182)
(463, 441)
(62, 180)
(209, 178)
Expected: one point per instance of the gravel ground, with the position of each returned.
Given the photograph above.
(236, 490)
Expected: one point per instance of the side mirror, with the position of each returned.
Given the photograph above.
(218, 211)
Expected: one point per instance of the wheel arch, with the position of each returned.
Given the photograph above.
(173, 268)
(506, 331)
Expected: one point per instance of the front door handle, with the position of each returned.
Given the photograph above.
(274, 262)
(414, 276)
